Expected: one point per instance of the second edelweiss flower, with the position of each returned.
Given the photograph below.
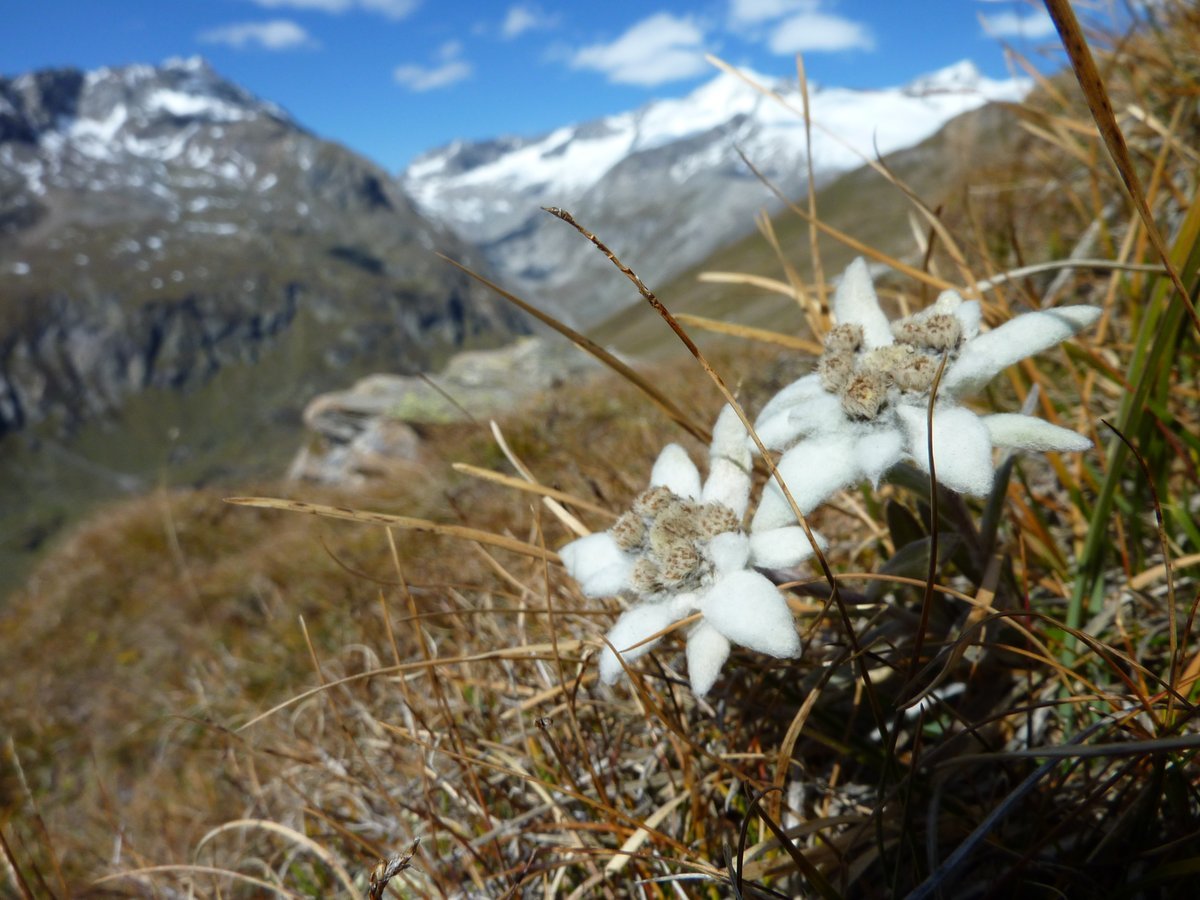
(866, 407)
(681, 549)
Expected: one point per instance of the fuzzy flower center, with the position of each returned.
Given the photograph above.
(864, 378)
(669, 534)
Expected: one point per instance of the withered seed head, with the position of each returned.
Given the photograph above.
(716, 518)
(865, 395)
(835, 369)
(916, 373)
(629, 532)
(937, 332)
(649, 502)
(885, 360)
(646, 577)
(678, 564)
(844, 338)
(676, 521)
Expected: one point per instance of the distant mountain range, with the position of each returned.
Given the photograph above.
(665, 185)
(159, 223)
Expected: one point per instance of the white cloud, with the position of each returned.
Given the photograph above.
(450, 69)
(818, 32)
(277, 34)
(1034, 24)
(522, 18)
(659, 49)
(392, 9)
(752, 12)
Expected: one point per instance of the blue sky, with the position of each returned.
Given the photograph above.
(391, 78)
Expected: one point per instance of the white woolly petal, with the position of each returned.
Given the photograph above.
(728, 484)
(779, 431)
(814, 470)
(1032, 433)
(728, 479)
(981, 359)
(781, 548)
(817, 414)
(675, 471)
(962, 447)
(877, 451)
(748, 610)
(682, 605)
(729, 437)
(947, 303)
(855, 303)
(970, 315)
(773, 512)
(635, 625)
(801, 389)
(598, 564)
(707, 651)
(729, 552)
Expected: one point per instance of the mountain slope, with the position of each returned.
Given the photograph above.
(978, 152)
(182, 267)
(665, 185)
(159, 223)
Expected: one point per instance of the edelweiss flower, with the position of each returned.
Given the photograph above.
(865, 408)
(681, 549)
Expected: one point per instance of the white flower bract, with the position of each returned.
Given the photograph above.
(680, 550)
(866, 408)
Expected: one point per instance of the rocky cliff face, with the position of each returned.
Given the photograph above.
(160, 223)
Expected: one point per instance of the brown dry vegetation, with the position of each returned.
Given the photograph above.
(243, 702)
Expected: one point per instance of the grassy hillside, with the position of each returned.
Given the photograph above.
(995, 697)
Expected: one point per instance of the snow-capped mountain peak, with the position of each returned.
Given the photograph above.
(668, 175)
(117, 127)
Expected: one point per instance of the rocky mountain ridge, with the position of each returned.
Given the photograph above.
(158, 223)
(665, 185)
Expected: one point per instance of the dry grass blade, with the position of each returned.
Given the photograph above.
(272, 888)
(527, 651)
(814, 243)
(1101, 108)
(987, 284)
(635, 841)
(300, 840)
(407, 522)
(20, 885)
(585, 343)
(1143, 580)
(1110, 750)
(552, 504)
(1176, 659)
(750, 333)
(531, 487)
(850, 241)
(389, 868)
(774, 285)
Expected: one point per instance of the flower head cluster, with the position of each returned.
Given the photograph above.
(865, 408)
(680, 550)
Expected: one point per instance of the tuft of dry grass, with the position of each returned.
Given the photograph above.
(993, 700)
